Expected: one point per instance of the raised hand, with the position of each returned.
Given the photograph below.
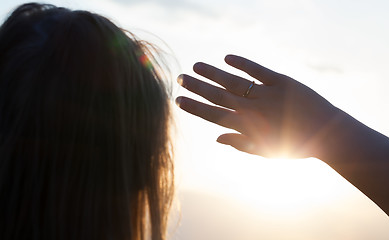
(284, 118)
(278, 118)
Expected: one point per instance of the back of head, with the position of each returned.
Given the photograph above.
(84, 143)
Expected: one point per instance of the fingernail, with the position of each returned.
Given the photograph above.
(220, 140)
(229, 58)
(198, 66)
(178, 101)
(180, 80)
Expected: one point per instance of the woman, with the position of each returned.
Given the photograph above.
(84, 130)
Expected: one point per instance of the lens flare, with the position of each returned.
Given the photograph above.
(146, 61)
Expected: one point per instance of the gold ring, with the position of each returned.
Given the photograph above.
(249, 89)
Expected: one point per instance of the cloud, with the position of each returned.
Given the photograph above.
(171, 5)
(326, 68)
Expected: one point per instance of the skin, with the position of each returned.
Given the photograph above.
(283, 118)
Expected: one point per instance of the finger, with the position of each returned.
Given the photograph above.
(220, 116)
(210, 92)
(248, 145)
(234, 84)
(239, 142)
(265, 75)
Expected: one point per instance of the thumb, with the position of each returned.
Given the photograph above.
(239, 142)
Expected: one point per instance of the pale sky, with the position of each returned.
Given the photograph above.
(337, 47)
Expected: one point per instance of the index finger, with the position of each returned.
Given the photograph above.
(264, 75)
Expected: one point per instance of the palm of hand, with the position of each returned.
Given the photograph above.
(286, 121)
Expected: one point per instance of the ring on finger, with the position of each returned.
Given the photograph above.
(249, 89)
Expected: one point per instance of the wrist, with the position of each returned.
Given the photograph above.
(331, 134)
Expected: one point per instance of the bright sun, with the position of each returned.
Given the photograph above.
(286, 185)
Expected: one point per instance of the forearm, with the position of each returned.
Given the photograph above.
(361, 155)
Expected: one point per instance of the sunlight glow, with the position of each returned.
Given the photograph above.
(337, 48)
(284, 185)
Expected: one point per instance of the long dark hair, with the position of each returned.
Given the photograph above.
(85, 150)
